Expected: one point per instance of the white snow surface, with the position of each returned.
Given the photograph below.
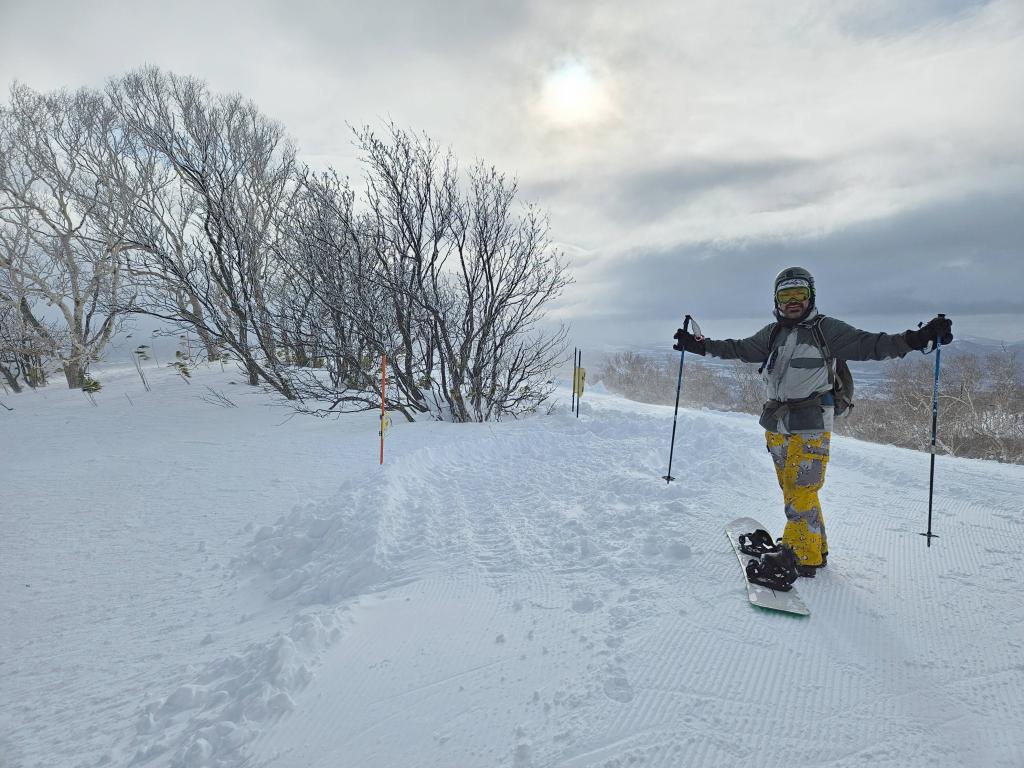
(190, 585)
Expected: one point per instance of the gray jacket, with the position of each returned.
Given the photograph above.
(796, 369)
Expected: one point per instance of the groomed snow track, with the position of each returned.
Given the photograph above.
(532, 594)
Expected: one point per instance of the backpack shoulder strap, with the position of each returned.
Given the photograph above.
(819, 337)
(773, 336)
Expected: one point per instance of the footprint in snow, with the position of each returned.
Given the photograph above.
(584, 604)
(678, 551)
(618, 689)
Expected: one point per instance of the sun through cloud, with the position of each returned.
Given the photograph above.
(573, 95)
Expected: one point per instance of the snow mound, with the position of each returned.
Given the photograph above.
(205, 724)
(325, 553)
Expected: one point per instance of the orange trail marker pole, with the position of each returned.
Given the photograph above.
(383, 387)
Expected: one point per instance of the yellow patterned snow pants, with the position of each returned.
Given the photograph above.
(800, 462)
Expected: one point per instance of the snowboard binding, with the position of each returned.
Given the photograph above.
(757, 543)
(777, 569)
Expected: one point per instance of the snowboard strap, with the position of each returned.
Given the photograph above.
(757, 574)
(756, 543)
(776, 570)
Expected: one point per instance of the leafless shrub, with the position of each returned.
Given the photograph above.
(448, 283)
(213, 397)
(981, 407)
(981, 400)
(651, 379)
(639, 377)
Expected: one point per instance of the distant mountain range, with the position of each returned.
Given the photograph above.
(982, 346)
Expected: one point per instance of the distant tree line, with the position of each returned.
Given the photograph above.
(155, 196)
(981, 398)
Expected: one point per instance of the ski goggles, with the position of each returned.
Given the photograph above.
(798, 293)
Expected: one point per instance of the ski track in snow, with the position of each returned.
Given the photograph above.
(524, 594)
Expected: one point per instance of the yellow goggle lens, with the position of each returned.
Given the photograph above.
(786, 295)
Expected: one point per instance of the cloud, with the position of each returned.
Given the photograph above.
(864, 136)
(635, 196)
(961, 257)
(886, 19)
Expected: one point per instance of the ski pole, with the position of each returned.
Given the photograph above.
(572, 383)
(937, 348)
(675, 417)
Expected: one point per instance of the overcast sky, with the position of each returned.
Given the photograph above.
(685, 151)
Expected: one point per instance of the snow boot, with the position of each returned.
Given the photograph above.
(808, 571)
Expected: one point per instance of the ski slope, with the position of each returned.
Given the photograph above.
(190, 585)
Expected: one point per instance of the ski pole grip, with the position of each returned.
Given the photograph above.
(938, 340)
(686, 323)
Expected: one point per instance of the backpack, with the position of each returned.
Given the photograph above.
(839, 374)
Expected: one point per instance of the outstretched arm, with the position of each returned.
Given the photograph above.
(849, 343)
(753, 349)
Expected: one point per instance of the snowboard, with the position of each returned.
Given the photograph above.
(763, 597)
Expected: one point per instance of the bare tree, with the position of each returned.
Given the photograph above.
(468, 278)
(448, 285)
(210, 238)
(159, 197)
(62, 221)
(410, 193)
(164, 219)
(336, 311)
(24, 347)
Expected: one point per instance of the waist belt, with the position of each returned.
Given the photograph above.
(777, 409)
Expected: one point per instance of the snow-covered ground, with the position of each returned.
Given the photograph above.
(191, 585)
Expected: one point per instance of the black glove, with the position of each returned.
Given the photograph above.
(938, 329)
(689, 342)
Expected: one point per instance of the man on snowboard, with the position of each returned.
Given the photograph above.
(798, 416)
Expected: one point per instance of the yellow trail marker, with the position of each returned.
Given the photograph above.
(578, 381)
